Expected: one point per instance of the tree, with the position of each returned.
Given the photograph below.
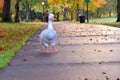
(17, 11)
(6, 14)
(27, 6)
(1, 7)
(110, 7)
(118, 10)
(73, 6)
(1, 4)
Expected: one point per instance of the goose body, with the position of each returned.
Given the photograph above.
(48, 36)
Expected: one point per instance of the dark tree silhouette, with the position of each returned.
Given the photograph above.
(118, 10)
(17, 11)
(77, 16)
(6, 15)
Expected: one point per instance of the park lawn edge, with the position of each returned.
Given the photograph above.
(7, 56)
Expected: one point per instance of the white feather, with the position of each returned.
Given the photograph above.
(48, 36)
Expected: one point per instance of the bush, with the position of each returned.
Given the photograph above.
(33, 15)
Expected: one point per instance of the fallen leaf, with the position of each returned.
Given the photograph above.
(86, 79)
(15, 53)
(90, 39)
(83, 62)
(107, 78)
(111, 50)
(25, 59)
(118, 79)
(73, 51)
(109, 30)
(1, 48)
(99, 51)
(2, 36)
(118, 38)
(58, 43)
(105, 35)
(104, 73)
(83, 78)
(97, 79)
(83, 35)
(97, 40)
(8, 63)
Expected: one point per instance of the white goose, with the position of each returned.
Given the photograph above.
(48, 36)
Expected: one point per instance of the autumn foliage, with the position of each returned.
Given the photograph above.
(13, 35)
(1, 3)
(93, 4)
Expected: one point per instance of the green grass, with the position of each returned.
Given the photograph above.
(102, 20)
(114, 24)
(110, 21)
(12, 38)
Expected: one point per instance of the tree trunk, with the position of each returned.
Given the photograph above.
(17, 11)
(27, 15)
(28, 9)
(110, 13)
(6, 14)
(97, 14)
(58, 15)
(71, 15)
(64, 14)
(77, 15)
(118, 10)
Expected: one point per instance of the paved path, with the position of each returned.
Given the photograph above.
(85, 51)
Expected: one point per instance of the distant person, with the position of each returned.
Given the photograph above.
(46, 16)
(58, 15)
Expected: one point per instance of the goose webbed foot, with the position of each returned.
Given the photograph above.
(47, 51)
(55, 49)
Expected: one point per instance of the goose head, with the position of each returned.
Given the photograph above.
(51, 17)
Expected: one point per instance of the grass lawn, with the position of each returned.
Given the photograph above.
(12, 38)
(110, 21)
(104, 19)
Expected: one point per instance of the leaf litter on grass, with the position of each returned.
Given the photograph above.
(12, 37)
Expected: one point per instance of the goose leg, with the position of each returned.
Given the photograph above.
(47, 51)
(55, 48)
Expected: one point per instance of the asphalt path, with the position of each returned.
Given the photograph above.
(85, 51)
